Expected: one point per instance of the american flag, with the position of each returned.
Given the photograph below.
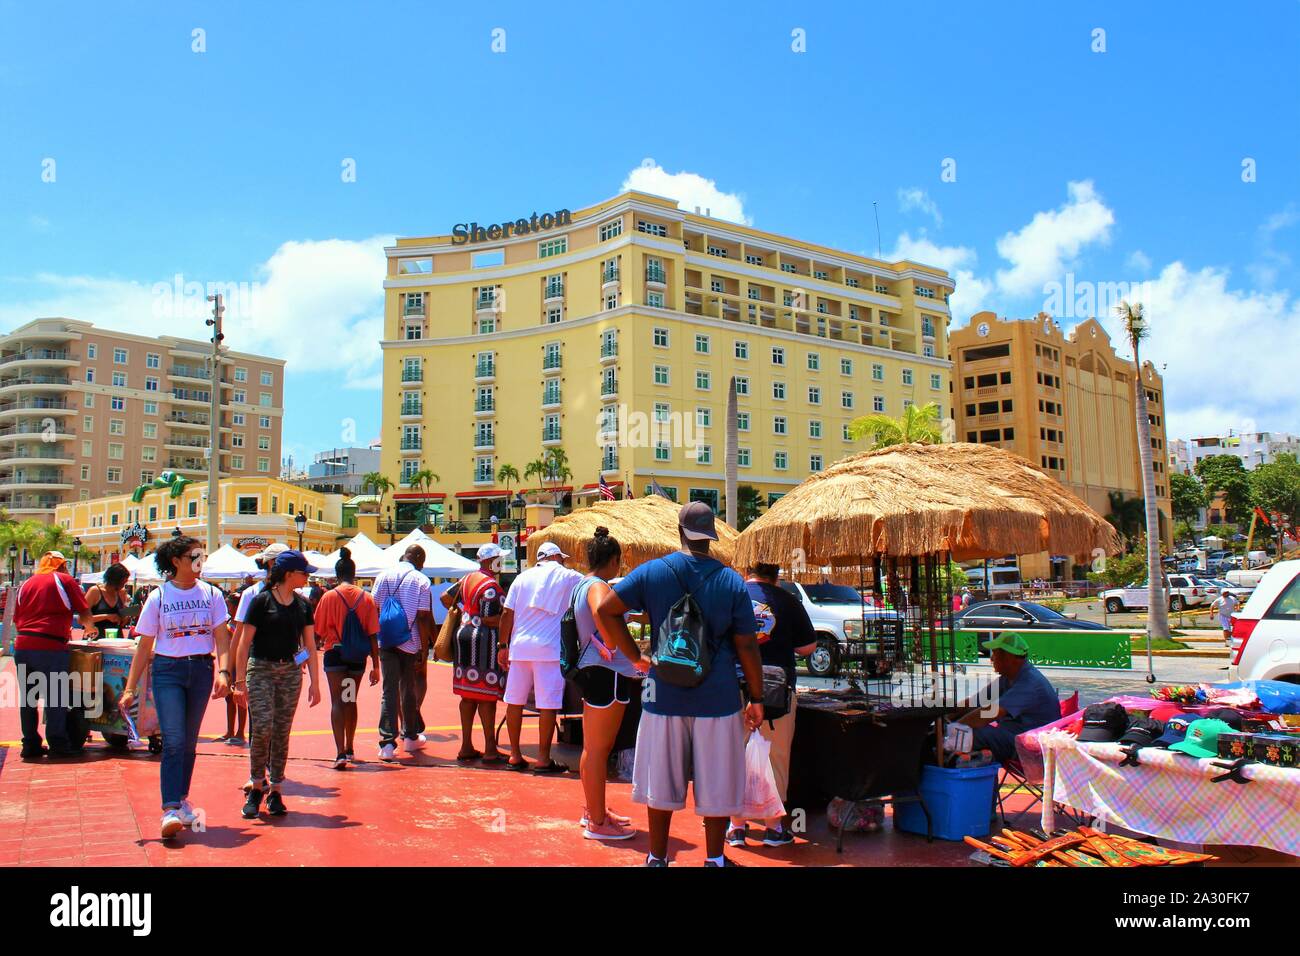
(627, 489)
(657, 489)
(606, 491)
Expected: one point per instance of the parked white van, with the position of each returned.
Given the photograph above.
(1266, 631)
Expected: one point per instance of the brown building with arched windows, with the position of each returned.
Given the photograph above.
(1065, 403)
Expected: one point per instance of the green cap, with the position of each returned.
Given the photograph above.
(1202, 738)
(1008, 641)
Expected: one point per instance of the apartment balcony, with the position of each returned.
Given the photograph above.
(484, 408)
(192, 373)
(551, 436)
(412, 409)
(551, 400)
(485, 442)
(42, 455)
(40, 481)
(191, 397)
(33, 382)
(36, 406)
(176, 442)
(609, 387)
(19, 504)
(486, 303)
(59, 358)
(553, 292)
(412, 444)
(22, 430)
(609, 277)
(655, 276)
(608, 352)
(552, 361)
(412, 375)
(485, 371)
(412, 311)
(609, 464)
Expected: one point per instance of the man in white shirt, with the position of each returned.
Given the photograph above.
(404, 667)
(529, 642)
(1225, 606)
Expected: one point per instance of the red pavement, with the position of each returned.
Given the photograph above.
(426, 810)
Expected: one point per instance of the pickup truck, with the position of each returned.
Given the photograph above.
(837, 613)
(1185, 591)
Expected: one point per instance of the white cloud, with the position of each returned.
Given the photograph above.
(957, 261)
(917, 198)
(318, 304)
(1271, 259)
(1138, 261)
(1041, 251)
(690, 190)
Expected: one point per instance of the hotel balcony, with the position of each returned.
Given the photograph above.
(34, 382)
(485, 442)
(412, 375)
(609, 464)
(551, 436)
(412, 409)
(36, 481)
(554, 292)
(608, 352)
(552, 361)
(36, 406)
(609, 277)
(655, 276)
(58, 358)
(21, 430)
(35, 455)
(609, 387)
(486, 303)
(488, 407)
(19, 504)
(485, 371)
(412, 444)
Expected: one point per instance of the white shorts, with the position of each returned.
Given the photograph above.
(541, 678)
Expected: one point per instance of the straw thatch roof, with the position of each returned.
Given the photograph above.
(645, 527)
(973, 501)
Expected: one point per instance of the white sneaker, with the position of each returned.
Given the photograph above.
(172, 824)
(186, 813)
(388, 752)
(412, 745)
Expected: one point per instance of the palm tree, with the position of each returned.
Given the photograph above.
(1126, 514)
(748, 501)
(423, 480)
(919, 423)
(507, 474)
(376, 482)
(730, 474)
(557, 466)
(1131, 315)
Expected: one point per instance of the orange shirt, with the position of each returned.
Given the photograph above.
(332, 610)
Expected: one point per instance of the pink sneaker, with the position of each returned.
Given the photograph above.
(608, 830)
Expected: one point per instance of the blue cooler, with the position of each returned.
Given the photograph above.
(960, 801)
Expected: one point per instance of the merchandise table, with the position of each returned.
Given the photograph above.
(1172, 795)
(112, 657)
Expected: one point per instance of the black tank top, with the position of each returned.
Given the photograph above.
(103, 607)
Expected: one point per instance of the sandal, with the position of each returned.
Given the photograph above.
(520, 767)
(493, 759)
(466, 758)
(551, 767)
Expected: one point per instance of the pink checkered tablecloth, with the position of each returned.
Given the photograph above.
(1170, 795)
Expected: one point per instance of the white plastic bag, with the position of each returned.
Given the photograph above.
(762, 802)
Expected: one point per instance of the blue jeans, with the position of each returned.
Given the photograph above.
(1000, 740)
(47, 669)
(181, 689)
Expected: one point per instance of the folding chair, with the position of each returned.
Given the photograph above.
(1013, 769)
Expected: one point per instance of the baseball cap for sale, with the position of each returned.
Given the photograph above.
(1142, 732)
(1227, 715)
(1175, 730)
(1202, 738)
(1103, 723)
(1165, 712)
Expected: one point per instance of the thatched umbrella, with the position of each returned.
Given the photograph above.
(971, 501)
(645, 527)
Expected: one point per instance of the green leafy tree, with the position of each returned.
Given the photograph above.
(1187, 497)
(1121, 570)
(375, 481)
(1226, 475)
(748, 502)
(1127, 515)
(918, 423)
(507, 474)
(1276, 487)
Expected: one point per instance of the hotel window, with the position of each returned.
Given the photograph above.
(742, 349)
(787, 267)
(266, 378)
(814, 362)
(907, 403)
(878, 403)
(935, 381)
(240, 397)
(703, 417)
(237, 441)
(264, 443)
(237, 419)
(778, 391)
(87, 449)
(241, 374)
(927, 351)
(483, 470)
(718, 251)
(171, 512)
(152, 360)
(117, 426)
(702, 380)
(907, 376)
(814, 395)
(703, 454)
(846, 366)
(246, 505)
(851, 282)
(550, 431)
(814, 462)
(853, 312)
(610, 230)
(787, 298)
(193, 510)
(814, 429)
(846, 399)
(148, 453)
(150, 384)
(877, 373)
(409, 467)
(753, 293)
(742, 385)
(88, 401)
(264, 421)
(554, 314)
(661, 338)
(779, 460)
(778, 355)
(552, 247)
(409, 267)
(652, 228)
(742, 421)
(114, 475)
(661, 412)
(264, 399)
(845, 431)
(702, 344)
(119, 379)
(611, 301)
(91, 350)
(117, 403)
(742, 457)
(119, 356)
(821, 274)
(654, 299)
(661, 374)
(87, 424)
(414, 331)
(551, 392)
(778, 425)
(822, 308)
(85, 473)
(715, 285)
(662, 451)
(90, 375)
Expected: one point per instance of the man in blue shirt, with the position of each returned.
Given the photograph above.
(692, 733)
(1025, 698)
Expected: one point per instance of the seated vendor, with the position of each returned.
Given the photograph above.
(1025, 699)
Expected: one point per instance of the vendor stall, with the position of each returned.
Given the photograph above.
(104, 665)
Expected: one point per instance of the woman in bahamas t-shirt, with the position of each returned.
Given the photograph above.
(182, 625)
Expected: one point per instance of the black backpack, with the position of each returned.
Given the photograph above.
(776, 692)
(570, 640)
(684, 645)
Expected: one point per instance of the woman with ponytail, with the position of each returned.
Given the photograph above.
(347, 628)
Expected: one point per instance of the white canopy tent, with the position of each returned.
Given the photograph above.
(368, 556)
(227, 564)
(440, 561)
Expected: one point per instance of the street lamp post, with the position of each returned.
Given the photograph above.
(76, 553)
(13, 565)
(300, 522)
(388, 523)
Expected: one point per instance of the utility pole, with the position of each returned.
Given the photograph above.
(214, 420)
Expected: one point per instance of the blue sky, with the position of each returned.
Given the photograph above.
(1122, 165)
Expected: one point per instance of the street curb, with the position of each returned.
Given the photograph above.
(1212, 655)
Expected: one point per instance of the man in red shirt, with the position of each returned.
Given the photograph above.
(43, 620)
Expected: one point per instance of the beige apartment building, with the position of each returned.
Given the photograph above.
(87, 412)
(1065, 403)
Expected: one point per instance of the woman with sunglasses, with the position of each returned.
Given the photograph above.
(277, 638)
(181, 625)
